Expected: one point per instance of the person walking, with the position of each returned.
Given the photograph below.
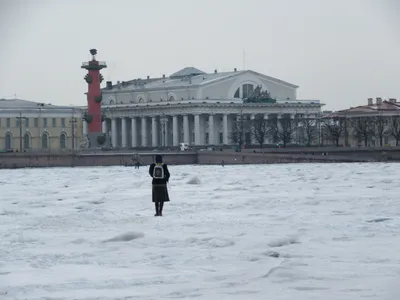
(160, 174)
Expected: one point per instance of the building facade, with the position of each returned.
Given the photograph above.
(375, 124)
(194, 107)
(31, 126)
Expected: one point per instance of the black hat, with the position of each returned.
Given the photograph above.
(158, 158)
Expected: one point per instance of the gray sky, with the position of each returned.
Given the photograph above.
(340, 51)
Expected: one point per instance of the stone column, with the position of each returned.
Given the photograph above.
(84, 127)
(104, 127)
(154, 132)
(211, 138)
(166, 131)
(114, 132)
(175, 136)
(124, 137)
(186, 137)
(225, 128)
(268, 136)
(252, 135)
(279, 127)
(197, 130)
(295, 132)
(134, 132)
(144, 132)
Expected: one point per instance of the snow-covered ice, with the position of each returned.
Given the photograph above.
(296, 231)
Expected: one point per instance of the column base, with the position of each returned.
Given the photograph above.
(96, 140)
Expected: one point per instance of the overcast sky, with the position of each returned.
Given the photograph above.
(340, 52)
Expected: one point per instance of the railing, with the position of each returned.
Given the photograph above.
(95, 63)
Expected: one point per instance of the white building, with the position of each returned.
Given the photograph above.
(33, 126)
(193, 107)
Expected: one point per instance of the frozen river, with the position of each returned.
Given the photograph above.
(296, 231)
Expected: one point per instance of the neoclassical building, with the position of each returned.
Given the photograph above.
(194, 107)
(32, 126)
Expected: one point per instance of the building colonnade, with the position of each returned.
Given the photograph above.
(170, 130)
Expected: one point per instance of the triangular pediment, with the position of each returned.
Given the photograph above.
(189, 71)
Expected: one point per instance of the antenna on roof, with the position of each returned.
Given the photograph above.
(244, 60)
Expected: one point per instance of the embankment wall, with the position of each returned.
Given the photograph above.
(30, 160)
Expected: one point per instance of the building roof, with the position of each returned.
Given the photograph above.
(189, 71)
(25, 104)
(383, 106)
(187, 77)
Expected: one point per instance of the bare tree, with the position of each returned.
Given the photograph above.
(283, 128)
(394, 128)
(362, 128)
(309, 125)
(240, 127)
(334, 128)
(381, 129)
(259, 130)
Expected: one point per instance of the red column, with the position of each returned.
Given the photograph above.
(94, 107)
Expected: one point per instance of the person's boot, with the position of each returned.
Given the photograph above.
(161, 208)
(157, 209)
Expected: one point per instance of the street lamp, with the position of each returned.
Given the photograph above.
(73, 122)
(20, 120)
(163, 121)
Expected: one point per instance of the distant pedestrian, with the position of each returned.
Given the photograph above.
(137, 164)
(160, 174)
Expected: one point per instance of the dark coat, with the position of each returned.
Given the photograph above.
(159, 186)
(166, 174)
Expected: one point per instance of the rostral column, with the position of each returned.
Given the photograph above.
(93, 116)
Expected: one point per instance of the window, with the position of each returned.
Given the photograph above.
(247, 137)
(26, 141)
(63, 141)
(8, 121)
(45, 141)
(8, 141)
(26, 122)
(237, 93)
(171, 98)
(44, 122)
(36, 122)
(207, 137)
(63, 122)
(247, 90)
(54, 121)
(221, 138)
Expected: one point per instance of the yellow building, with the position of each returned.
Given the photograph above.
(34, 127)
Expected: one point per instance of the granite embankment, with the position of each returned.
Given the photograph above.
(23, 160)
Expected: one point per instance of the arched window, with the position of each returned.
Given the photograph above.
(171, 98)
(63, 141)
(112, 102)
(141, 100)
(237, 93)
(27, 140)
(45, 141)
(8, 141)
(247, 90)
